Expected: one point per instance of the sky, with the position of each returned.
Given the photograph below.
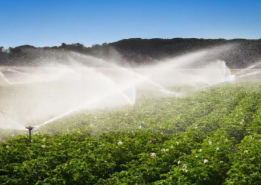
(52, 22)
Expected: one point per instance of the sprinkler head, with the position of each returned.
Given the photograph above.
(30, 128)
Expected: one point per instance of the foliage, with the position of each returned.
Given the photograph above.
(210, 137)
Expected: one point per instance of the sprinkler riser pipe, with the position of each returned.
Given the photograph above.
(30, 133)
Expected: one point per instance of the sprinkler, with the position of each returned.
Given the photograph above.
(30, 128)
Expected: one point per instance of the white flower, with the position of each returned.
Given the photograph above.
(165, 150)
(7, 146)
(140, 126)
(119, 143)
(221, 162)
(178, 162)
(205, 160)
(245, 151)
(209, 142)
(196, 156)
(153, 154)
(217, 148)
(184, 168)
(43, 146)
(200, 150)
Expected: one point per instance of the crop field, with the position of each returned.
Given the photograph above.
(130, 93)
(209, 137)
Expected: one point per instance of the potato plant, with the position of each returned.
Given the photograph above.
(209, 137)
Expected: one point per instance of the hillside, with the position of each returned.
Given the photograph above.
(137, 51)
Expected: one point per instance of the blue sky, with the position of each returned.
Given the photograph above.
(51, 22)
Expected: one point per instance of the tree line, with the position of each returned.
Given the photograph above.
(136, 51)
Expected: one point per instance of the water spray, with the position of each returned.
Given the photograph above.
(43, 100)
(30, 128)
(86, 106)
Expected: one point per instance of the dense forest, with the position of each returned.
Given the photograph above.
(136, 51)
